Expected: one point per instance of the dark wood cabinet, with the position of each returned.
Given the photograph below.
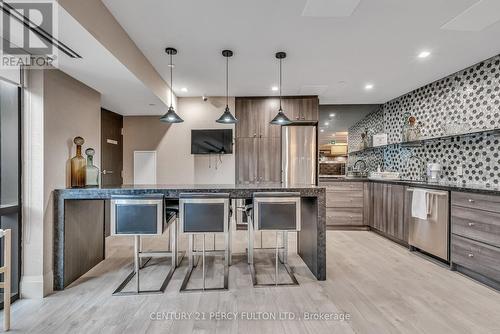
(247, 160)
(258, 160)
(368, 203)
(475, 236)
(344, 204)
(258, 143)
(388, 210)
(269, 160)
(247, 112)
(254, 116)
(301, 109)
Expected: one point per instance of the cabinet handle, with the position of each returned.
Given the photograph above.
(471, 200)
(471, 224)
(470, 255)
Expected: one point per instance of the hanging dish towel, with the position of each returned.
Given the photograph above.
(419, 204)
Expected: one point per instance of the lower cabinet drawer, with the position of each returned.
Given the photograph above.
(343, 186)
(344, 199)
(344, 216)
(475, 224)
(476, 201)
(476, 256)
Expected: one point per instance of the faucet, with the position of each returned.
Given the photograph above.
(422, 164)
(356, 163)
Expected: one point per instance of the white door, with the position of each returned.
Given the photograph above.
(144, 167)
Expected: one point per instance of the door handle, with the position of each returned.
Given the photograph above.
(104, 172)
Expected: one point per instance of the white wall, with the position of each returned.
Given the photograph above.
(58, 108)
(175, 163)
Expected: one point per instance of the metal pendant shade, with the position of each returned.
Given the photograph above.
(280, 118)
(171, 116)
(227, 117)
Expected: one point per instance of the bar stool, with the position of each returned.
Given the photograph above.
(278, 212)
(143, 215)
(202, 214)
(5, 270)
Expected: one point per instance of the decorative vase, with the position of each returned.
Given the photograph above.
(412, 130)
(91, 171)
(78, 165)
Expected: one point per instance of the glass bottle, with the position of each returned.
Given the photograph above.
(78, 165)
(91, 171)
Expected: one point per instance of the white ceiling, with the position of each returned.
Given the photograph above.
(329, 52)
(121, 91)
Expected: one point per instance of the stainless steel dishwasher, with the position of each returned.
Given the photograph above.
(431, 235)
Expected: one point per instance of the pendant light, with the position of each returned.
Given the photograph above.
(227, 117)
(171, 116)
(281, 118)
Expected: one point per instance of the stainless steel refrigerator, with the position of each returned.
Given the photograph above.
(299, 153)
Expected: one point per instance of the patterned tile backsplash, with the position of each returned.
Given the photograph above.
(464, 102)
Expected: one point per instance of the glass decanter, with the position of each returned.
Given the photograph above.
(78, 165)
(91, 171)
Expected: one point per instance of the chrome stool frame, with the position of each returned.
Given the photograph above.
(161, 226)
(215, 199)
(255, 224)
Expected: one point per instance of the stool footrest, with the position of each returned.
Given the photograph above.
(289, 270)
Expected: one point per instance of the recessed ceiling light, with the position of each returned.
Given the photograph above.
(369, 86)
(274, 88)
(332, 114)
(184, 89)
(424, 54)
(322, 130)
(327, 123)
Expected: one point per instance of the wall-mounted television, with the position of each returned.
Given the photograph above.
(216, 141)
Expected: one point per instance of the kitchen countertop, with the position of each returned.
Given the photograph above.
(173, 190)
(449, 186)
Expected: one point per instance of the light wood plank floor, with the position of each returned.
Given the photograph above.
(383, 287)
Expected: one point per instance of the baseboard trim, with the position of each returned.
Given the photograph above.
(36, 286)
(347, 228)
(390, 237)
(477, 277)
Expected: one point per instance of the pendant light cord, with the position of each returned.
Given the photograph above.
(227, 82)
(280, 85)
(171, 81)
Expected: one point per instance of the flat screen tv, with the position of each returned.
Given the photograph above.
(218, 141)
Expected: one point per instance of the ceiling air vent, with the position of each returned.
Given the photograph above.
(330, 8)
(477, 17)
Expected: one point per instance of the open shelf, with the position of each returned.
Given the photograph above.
(421, 141)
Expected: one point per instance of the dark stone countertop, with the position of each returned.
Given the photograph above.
(449, 186)
(169, 190)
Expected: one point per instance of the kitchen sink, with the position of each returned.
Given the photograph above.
(384, 176)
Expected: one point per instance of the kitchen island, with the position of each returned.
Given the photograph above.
(79, 228)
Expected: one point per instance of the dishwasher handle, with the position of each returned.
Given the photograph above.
(437, 193)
